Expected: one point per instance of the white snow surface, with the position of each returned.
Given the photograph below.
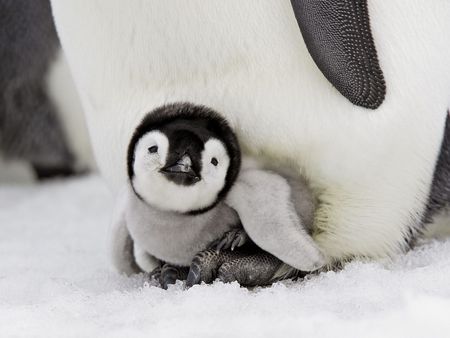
(56, 281)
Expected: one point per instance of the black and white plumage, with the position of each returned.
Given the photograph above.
(182, 162)
(276, 70)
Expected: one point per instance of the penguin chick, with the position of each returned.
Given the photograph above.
(182, 161)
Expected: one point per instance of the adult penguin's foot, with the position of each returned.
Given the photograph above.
(254, 270)
(247, 267)
(206, 263)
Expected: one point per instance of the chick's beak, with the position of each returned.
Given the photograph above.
(181, 167)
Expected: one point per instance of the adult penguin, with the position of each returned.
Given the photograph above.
(41, 120)
(353, 94)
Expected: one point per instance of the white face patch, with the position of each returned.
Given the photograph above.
(158, 191)
(215, 164)
(150, 153)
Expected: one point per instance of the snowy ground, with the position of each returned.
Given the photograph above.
(55, 281)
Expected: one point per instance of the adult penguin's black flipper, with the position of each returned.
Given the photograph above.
(338, 36)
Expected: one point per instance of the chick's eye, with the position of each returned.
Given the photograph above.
(153, 149)
(214, 161)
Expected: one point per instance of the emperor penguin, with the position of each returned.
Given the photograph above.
(42, 126)
(184, 161)
(352, 94)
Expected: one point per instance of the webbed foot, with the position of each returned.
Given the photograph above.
(247, 267)
(253, 270)
(205, 265)
(156, 273)
(167, 274)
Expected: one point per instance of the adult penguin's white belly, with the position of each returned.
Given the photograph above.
(247, 59)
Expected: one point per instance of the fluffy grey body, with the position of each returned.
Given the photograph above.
(174, 237)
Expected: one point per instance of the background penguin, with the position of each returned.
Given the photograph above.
(41, 120)
(182, 162)
(353, 94)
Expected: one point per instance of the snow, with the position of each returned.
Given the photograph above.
(56, 281)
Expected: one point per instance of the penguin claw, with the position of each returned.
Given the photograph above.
(155, 274)
(203, 267)
(223, 244)
(239, 241)
(168, 274)
(230, 240)
(205, 264)
(193, 277)
(215, 244)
